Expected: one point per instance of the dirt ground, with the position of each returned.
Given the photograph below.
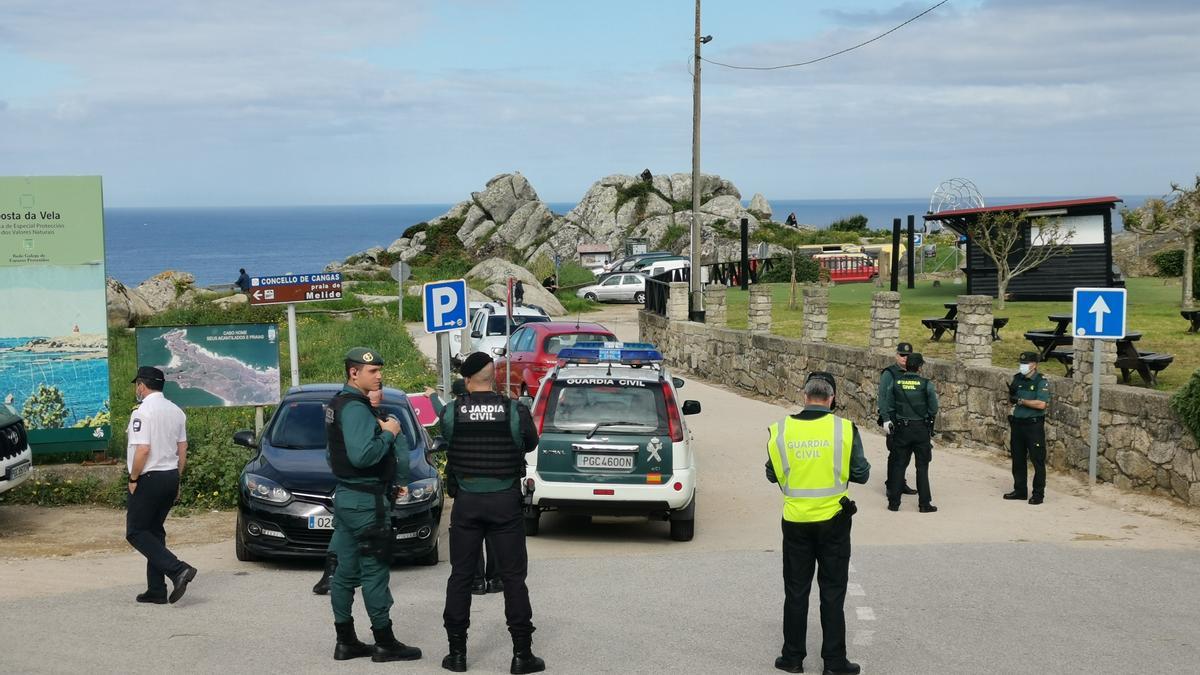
(58, 532)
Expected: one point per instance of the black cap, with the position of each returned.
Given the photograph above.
(904, 349)
(914, 362)
(474, 363)
(149, 373)
(1029, 357)
(823, 376)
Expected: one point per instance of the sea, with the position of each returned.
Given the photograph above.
(213, 243)
(83, 383)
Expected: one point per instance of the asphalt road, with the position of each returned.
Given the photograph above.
(1091, 581)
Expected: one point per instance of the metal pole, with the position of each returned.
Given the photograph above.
(911, 261)
(895, 255)
(258, 421)
(744, 275)
(695, 287)
(400, 303)
(293, 347)
(1095, 436)
(444, 363)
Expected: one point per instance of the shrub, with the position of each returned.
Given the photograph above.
(855, 223)
(211, 479)
(54, 490)
(1186, 404)
(46, 408)
(807, 271)
(1169, 263)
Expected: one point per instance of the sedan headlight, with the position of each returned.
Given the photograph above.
(265, 489)
(420, 491)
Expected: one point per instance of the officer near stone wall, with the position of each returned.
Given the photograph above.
(489, 435)
(814, 456)
(1029, 393)
(887, 377)
(362, 454)
(910, 408)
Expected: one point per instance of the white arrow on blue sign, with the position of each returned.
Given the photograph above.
(1099, 313)
(445, 306)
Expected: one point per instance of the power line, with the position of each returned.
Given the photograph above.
(829, 56)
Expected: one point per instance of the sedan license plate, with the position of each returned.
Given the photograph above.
(19, 470)
(605, 462)
(320, 522)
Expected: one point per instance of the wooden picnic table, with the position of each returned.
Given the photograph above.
(938, 325)
(1192, 315)
(1129, 358)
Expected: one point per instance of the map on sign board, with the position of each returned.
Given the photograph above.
(213, 366)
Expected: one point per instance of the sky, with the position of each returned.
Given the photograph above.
(282, 102)
(76, 293)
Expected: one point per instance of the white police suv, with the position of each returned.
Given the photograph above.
(612, 439)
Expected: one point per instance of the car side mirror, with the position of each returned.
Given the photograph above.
(244, 438)
(499, 351)
(691, 407)
(525, 401)
(476, 334)
(677, 381)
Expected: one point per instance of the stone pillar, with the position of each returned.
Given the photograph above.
(885, 321)
(973, 340)
(816, 314)
(677, 304)
(1082, 364)
(715, 313)
(759, 317)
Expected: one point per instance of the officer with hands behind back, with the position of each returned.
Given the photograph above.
(1029, 393)
(362, 454)
(888, 377)
(910, 407)
(489, 435)
(814, 456)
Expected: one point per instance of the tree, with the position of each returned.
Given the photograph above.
(784, 237)
(1177, 214)
(997, 234)
(45, 409)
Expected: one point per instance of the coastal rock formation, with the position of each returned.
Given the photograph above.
(495, 273)
(80, 345)
(162, 291)
(232, 301)
(760, 207)
(125, 306)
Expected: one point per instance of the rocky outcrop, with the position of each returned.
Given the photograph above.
(494, 274)
(163, 290)
(232, 301)
(760, 207)
(75, 342)
(125, 306)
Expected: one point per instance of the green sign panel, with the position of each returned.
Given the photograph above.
(212, 366)
(53, 332)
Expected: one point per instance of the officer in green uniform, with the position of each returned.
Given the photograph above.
(887, 377)
(1029, 393)
(363, 453)
(910, 408)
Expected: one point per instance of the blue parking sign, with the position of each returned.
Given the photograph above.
(445, 306)
(1099, 313)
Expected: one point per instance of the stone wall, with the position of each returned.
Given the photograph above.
(1143, 446)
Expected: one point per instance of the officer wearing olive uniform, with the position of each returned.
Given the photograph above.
(887, 377)
(489, 435)
(910, 406)
(1029, 393)
(363, 451)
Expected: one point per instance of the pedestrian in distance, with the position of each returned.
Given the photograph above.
(363, 452)
(156, 458)
(911, 406)
(887, 377)
(519, 292)
(813, 456)
(791, 220)
(1029, 393)
(489, 435)
(243, 281)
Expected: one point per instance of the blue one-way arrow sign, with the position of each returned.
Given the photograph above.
(1099, 313)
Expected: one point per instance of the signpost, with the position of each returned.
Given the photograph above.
(445, 310)
(1098, 314)
(290, 289)
(401, 272)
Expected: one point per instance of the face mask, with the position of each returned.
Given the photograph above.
(1025, 368)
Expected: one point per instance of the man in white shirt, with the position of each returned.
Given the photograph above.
(156, 457)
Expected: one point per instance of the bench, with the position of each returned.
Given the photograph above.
(1192, 315)
(938, 325)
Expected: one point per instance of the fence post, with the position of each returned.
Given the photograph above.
(717, 315)
(973, 339)
(885, 321)
(816, 314)
(677, 303)
(759, 317)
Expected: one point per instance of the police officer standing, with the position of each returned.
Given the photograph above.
(1029, 393)
(814, 456)
(911, 407)
(887, 377)
(362, 454)
(489, 435)
(156, 459)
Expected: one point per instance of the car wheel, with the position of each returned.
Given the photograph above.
(430, 558)
(639, 298)
(683, 530)
(533, 523)
(239, 543)
(590, 297)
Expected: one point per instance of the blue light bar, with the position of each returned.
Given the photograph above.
(626, 353)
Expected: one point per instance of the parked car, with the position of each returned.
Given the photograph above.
(456, 337)
(534, 352)
(489, 330)
(618, 287)
(16, 457)
(285, 500)
(626, 264)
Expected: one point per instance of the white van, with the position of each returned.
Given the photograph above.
(659, 266)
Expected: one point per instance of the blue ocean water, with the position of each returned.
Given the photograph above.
(84, 383)
(214, 242)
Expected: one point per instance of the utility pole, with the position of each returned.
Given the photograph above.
(695, 274)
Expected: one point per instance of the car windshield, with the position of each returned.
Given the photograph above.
(300, 425)
(556, 343)
(495, 324)
(618, 405)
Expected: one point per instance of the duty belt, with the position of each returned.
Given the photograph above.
(1029, 420)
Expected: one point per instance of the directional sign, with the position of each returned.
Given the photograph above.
(445, 306)
(290, 288)
(1099, 313)
(918, 239)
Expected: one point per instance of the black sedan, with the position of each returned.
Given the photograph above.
(285, 504)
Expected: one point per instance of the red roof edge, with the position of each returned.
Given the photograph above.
(1025, 207)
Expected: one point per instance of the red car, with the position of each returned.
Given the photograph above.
(535, 348)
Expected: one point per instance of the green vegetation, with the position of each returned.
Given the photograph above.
(1186, 404)
(670, 237)
(46, 408)
(55, 490)
(855, 223)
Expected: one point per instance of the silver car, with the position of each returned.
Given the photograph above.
(618, 287)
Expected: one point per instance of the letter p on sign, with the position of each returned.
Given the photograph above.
(445, 306)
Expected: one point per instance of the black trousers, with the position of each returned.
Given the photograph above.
(1027, 439)
(496, 517)
(888, 440)
(148, 507)
(486, 569)
(825, 547)
(908, 441)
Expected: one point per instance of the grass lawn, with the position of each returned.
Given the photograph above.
(1153, 311)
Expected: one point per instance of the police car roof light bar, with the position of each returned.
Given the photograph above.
(624, 353)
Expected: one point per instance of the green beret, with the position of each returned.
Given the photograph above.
(365, 356)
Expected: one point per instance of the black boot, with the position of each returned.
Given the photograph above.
(388, 648)
(479, 586)
(456, 660)
(322, 587)
(348, 644)
(523, 660)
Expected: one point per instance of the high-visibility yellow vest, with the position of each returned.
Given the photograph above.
(811, 459)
